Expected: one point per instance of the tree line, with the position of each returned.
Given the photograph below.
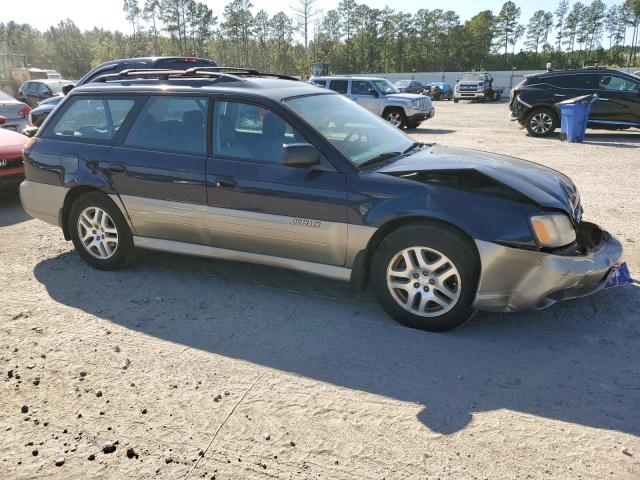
(352, 38)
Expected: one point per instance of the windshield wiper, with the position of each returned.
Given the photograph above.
(379, 158)
(413, 146)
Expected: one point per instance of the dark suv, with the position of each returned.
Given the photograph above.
(242, 166)
(39, 114)
(533, 101)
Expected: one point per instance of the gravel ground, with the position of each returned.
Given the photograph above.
(182, 367)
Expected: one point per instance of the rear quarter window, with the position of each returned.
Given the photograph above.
(90, 119)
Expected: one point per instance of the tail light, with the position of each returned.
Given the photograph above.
(25, 111)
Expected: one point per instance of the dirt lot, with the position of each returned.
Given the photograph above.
(203, 369)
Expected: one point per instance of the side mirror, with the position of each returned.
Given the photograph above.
(2, 119)
(373, 92)
(67, 88)
(299, 155)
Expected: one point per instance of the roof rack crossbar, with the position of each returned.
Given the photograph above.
(240, 71)
(165, 74)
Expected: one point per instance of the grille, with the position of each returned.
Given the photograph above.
(11, 163)
(422, 104)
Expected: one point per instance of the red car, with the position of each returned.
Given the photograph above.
(11, 168)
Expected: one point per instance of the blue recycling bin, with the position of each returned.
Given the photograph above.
(574, 116)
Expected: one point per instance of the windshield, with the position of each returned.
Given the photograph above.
(357, 133)
(473, 77)
(386, 87)
(6, 97)
(402, 83)
(56, 87)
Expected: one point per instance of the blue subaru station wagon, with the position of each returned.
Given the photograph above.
(238, 165)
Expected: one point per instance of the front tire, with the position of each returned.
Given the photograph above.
(396, 117)
(425, 276)
(100, 232)
(541, 122)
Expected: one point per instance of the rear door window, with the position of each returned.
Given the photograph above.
(578, 81)
(171, 124)
(339, 86)
(92, 118)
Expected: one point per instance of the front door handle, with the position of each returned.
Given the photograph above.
(603, 99)
(225, 183)
(117, 168)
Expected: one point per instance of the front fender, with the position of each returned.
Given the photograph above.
(376, 199)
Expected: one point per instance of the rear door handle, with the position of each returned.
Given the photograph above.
(117, 167)
(225, 183)
(603, 99)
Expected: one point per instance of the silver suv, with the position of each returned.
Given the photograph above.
(381, 97)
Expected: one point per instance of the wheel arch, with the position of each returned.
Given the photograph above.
(72, 195)
(398, 107)
(362, 264)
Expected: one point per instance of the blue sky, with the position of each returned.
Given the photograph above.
(108, 13)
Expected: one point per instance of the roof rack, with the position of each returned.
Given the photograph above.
(240, 71)
(165, 74)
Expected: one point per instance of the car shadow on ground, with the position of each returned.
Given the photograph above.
(430, 131)
(575, 362)
(11, 211)
(618, 139)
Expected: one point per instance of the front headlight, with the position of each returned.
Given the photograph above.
(553, 230)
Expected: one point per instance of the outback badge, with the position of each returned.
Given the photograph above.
(306, 222)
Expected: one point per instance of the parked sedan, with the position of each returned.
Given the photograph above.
(15, 113)
(11, 168)
(409, 86)
(35, 91)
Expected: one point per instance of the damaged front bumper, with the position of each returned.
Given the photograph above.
(515, 279)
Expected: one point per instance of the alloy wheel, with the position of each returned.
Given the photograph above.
(97, 232)
(424, 281)
(541, 122)
(394, 118)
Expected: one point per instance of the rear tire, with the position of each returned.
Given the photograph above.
(100, 232)
(424, 295)
(541, 122)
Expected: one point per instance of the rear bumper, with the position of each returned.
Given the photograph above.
(16, 125)
(514, 279)
(12, 180)
(43, 201)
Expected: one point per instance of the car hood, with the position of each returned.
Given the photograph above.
(544, 186)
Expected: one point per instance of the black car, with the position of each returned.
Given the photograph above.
(533, 101)
(33, 92)
(409, 86)
(39, 114)
(243, 166)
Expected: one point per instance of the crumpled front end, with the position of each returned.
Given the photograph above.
(518, 279)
